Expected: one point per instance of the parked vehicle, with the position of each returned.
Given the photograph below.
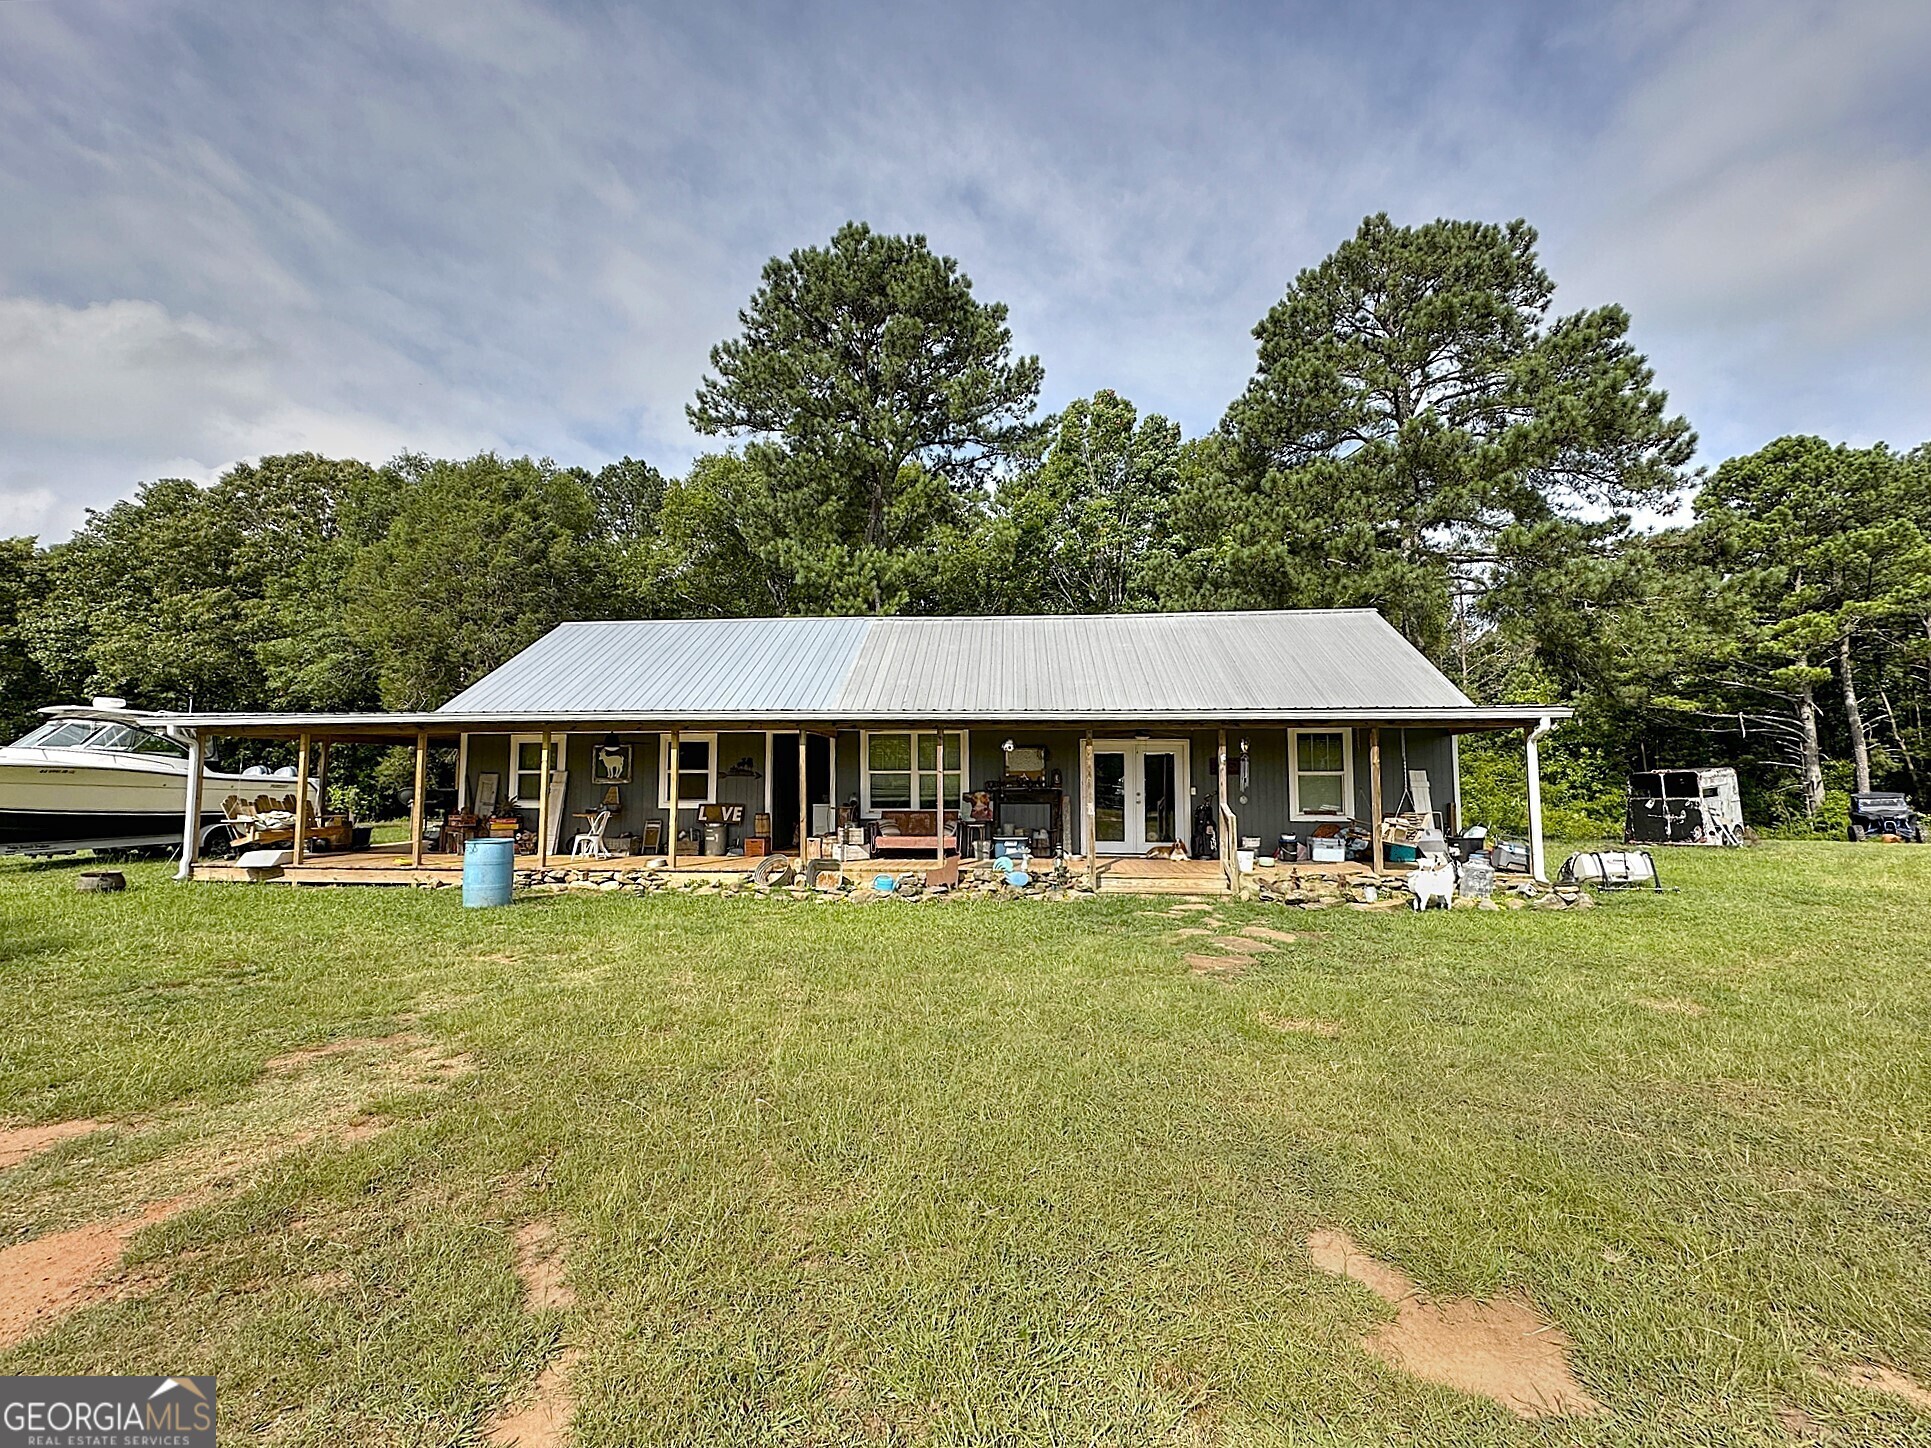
(1885, 815)
(1684, 807)
(89, 780)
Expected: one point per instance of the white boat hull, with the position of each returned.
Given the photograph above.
(56, 800)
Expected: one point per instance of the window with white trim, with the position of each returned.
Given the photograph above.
(1320, 774)
(526, 768)
(696, 770)
(900, 770)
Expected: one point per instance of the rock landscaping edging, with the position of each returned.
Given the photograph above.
(977, 881)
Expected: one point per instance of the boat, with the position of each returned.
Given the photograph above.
(89, 779)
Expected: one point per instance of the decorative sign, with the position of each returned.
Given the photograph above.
(610, 764)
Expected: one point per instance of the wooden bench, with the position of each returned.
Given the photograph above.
(914, 831)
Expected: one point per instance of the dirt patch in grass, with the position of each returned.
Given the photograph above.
(543, 1419)
(1268, 932)
(1503, 1349)
(1241, 945)
(319, 1093)
(302, 1057)
(1672, 1006)
(378, 1062)
(1298, 1025)
(332, 1283)
(402, 1054)
(47, 1278)
(539, 1267)
(1800, 1425)
(1218, 967)
(1877, 1378)
(17, 1143)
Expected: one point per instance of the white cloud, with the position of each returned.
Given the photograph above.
(26, 510)
(1760, 200)
(452, 225)
(123, 372)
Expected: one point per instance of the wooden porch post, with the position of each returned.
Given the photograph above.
(322, 778)
(672, 763)
(191, 811)
(1222, 813)
(804, 802)
(1374, 797)
(1089, 808)
(543, 809)
(301, 800)
(416, 820)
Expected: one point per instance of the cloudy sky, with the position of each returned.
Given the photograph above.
(234, 228)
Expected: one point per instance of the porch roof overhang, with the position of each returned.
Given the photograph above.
(376, 727)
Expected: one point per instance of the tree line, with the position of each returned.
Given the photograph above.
(1422, 434)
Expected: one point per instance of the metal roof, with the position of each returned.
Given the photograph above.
(1147, 665)
(1327, 666)
(675, 666)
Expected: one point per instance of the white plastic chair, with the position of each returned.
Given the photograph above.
(590, 842)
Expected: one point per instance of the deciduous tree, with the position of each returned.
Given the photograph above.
(483, 557)
(1091, 524)
(23, 686)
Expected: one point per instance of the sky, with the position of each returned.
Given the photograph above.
(237, 228)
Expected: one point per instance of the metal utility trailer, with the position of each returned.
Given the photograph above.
(1684, 807)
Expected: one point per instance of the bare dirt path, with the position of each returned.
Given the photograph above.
(1503, 1349)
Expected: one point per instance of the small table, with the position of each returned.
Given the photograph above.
(973, 833)
(1032, 793)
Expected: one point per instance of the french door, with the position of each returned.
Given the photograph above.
(1139, 794)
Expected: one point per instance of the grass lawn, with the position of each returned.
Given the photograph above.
(982, 1173)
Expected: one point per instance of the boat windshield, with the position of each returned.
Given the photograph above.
(61, 734)
(129, 740)
(93, 734)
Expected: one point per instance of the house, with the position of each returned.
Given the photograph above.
(1119, 732)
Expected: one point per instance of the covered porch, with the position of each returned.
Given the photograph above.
(1120, 807)
(398, 865)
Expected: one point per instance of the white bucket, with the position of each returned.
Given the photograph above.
(1244, 861)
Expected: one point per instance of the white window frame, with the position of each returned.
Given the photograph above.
(689, 736)
(532, 801)
(865, 768)
(1294, 774)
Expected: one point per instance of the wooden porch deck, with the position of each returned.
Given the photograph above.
(391, 866)
(1118, 874)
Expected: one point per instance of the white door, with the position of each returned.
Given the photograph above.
(1140, 794)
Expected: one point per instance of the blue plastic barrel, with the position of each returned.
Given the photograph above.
(489, 869)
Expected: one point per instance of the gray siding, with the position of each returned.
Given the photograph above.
(490, 753)
(1263, 810)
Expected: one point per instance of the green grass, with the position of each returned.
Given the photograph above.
(991, 1172)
